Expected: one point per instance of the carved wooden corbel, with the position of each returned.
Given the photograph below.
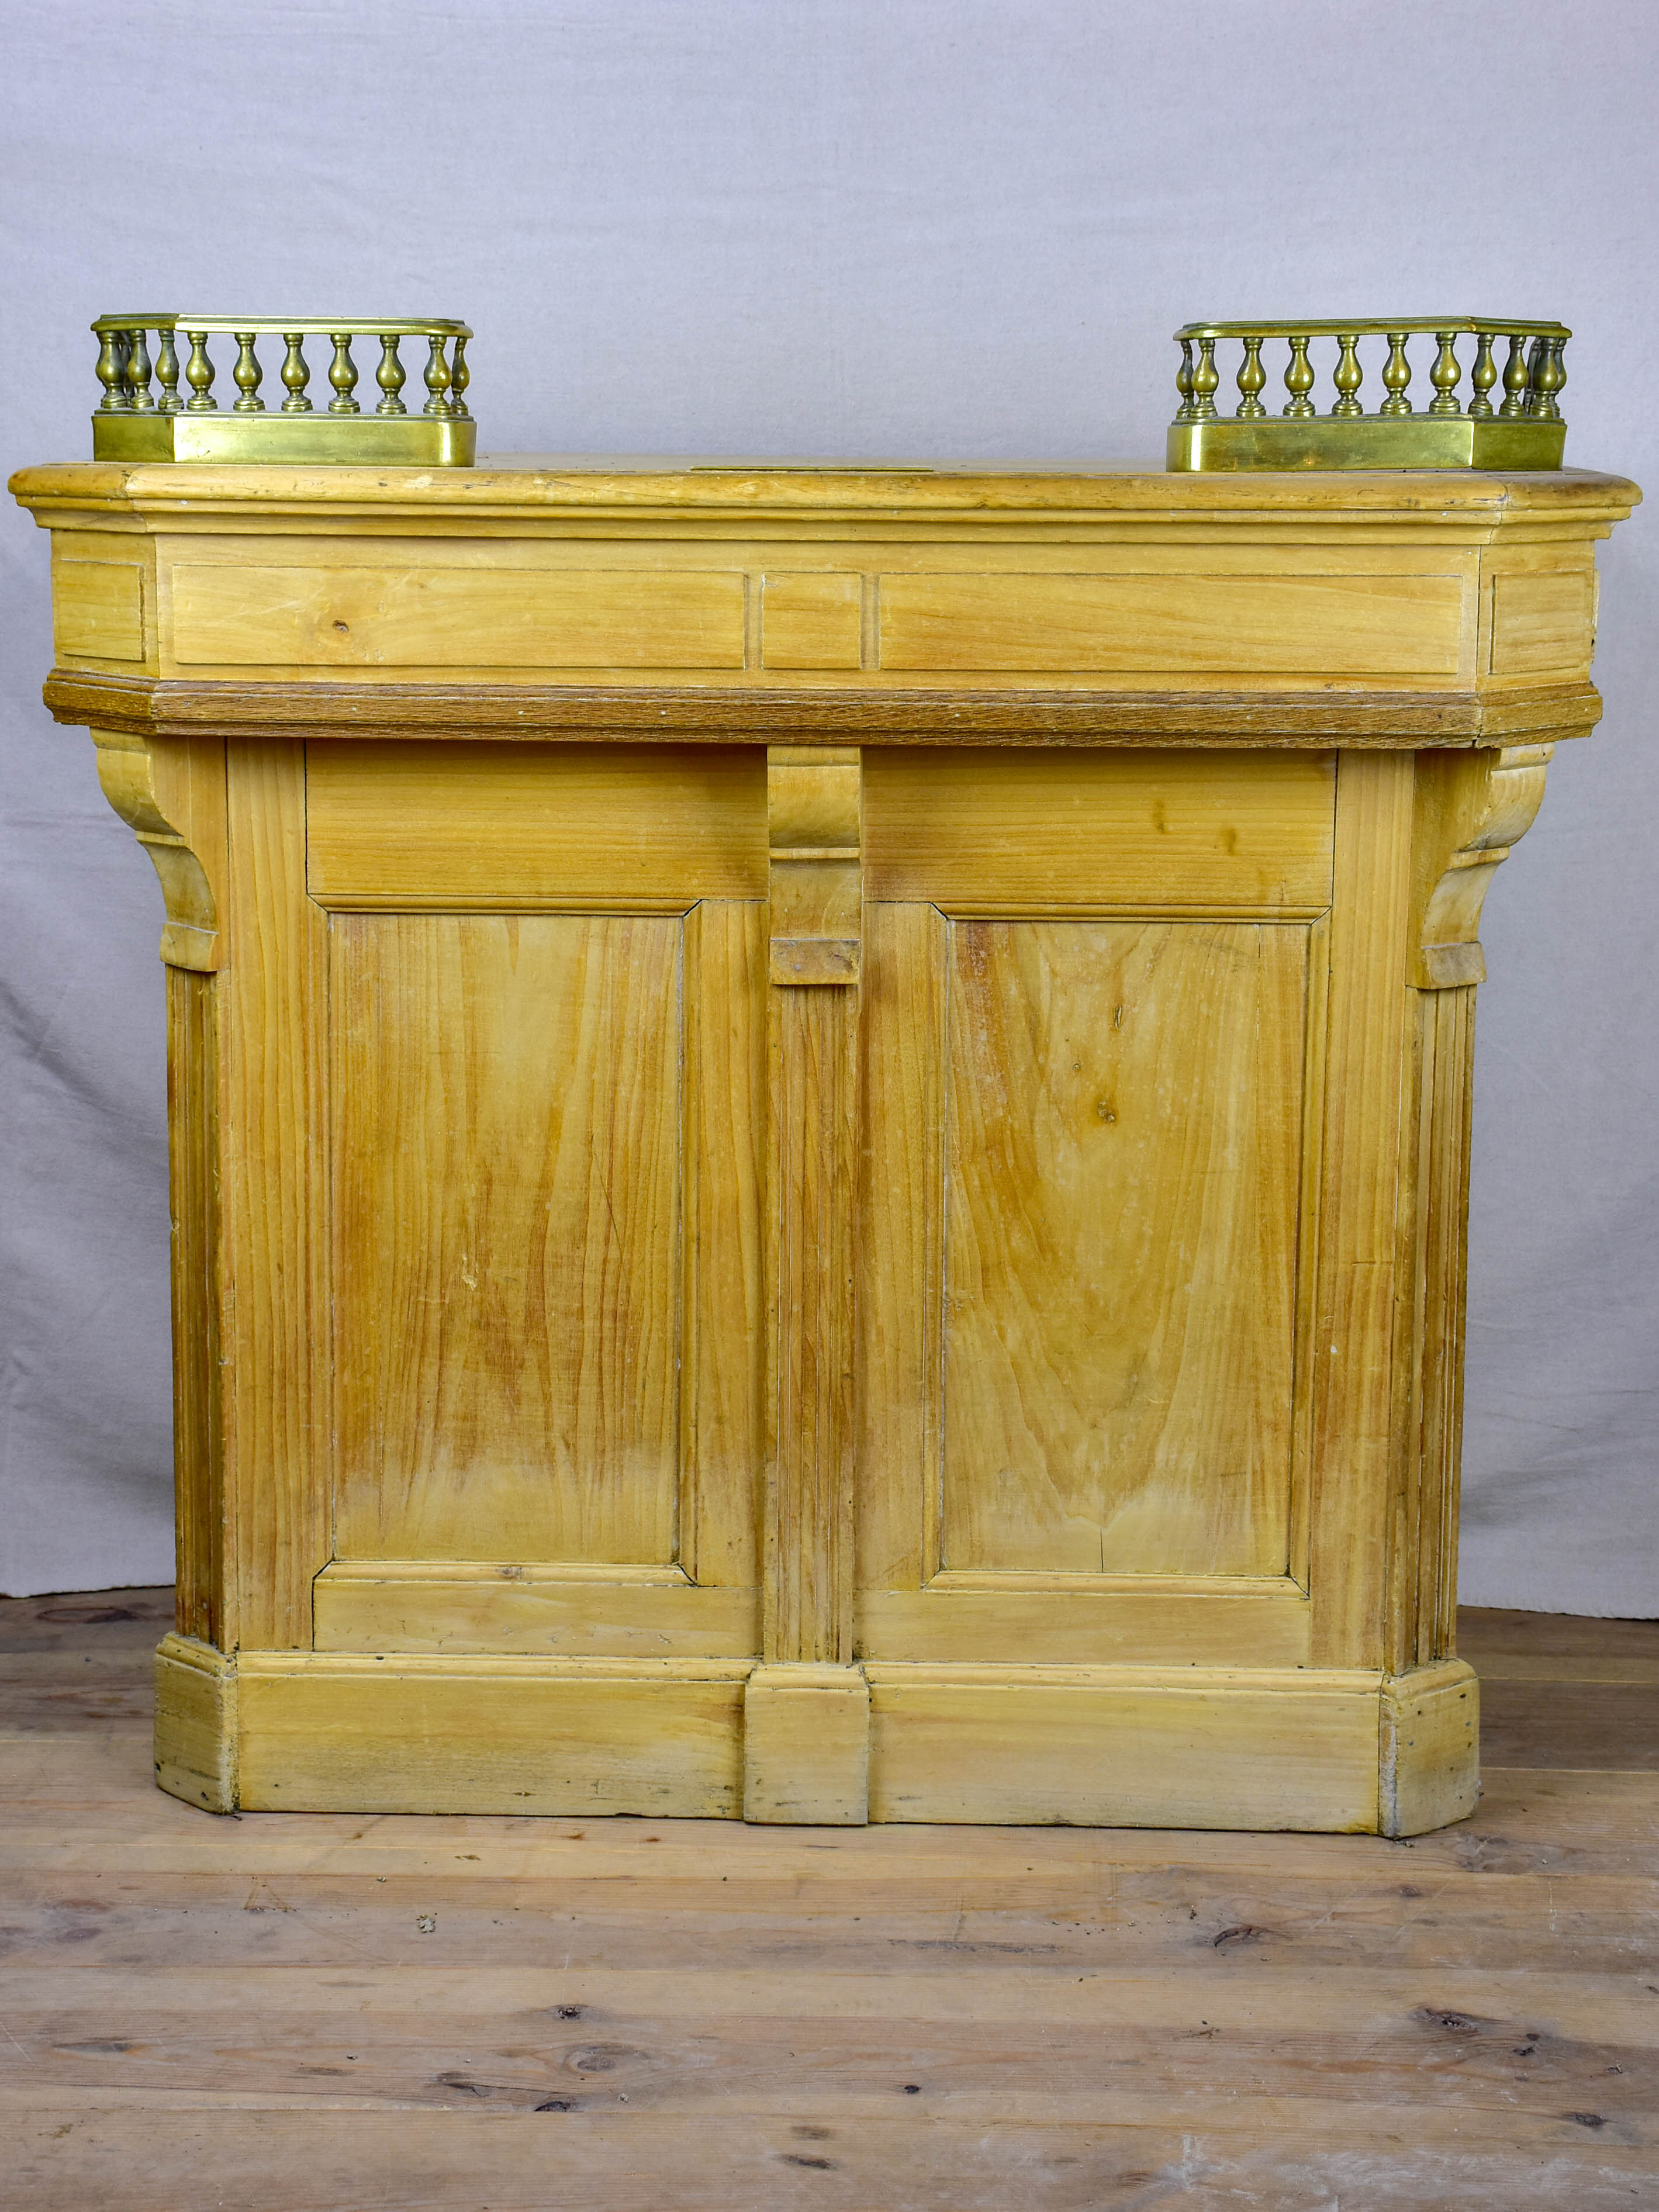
(171, 792)
(1470, 809)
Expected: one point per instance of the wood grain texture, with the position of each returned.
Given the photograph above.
(193, 1172)
(812, 621)
(1124, 1173)
(1424, 1546)
(900, 1253)
(328, 1731)
(518, 829)
(806, 1747)
(98, 609)
(947, 713)
(402, 616)
(812, 1093)
(475, 1606)
(273, 1219)
(723, 1367)
(1350, 626)
(1470, 810)
(1543, 622)
(170, 792)
(990, 831)
(1354, 1375)
(1430, 1770)
(507, 1172)
(1225, 1749)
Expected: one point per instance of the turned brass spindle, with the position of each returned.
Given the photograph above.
(1207, 379)
(1300, 382)
(248, 376)
(459, 377)
(198, 374)
(1444, 375)
(1349, 375)
(296, 374)
(391, 376)
(166, 371)
(1547, 377)
(1483, 376)
(1184, 382)
(138, 374)
(112, 375)
(1251, 378)
(1515, 378)
(437, 380)
(343, 376)
(1396, 376)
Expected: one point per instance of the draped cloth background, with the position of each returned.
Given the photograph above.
(882, 227)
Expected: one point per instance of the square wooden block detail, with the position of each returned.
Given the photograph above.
(811, 621)
(98, 609)
(1541, 623)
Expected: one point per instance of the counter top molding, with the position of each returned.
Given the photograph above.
(1522, 429)
(143, 707)
(729, 602)
(1125, 496)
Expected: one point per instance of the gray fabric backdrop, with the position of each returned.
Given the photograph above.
(925, 228)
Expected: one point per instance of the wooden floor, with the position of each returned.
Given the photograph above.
(284, 2013)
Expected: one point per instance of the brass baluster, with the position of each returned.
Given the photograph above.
(1444, 375)
(1349, 375)
(459, 377)
(437, 379)
(1482, 376)
(343, 376)
(139, 373)
(391, 376)
(198, 374)
(113, 373)
(1515, 378)
(167, 369)
(248, 374)
(1251, 378)
(1300, 382)
(1547, 377)
(296, 374)
(1206, 379)
(1184, 382)
(1396, 376)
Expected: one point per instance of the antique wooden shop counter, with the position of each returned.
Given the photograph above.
(820, 1119)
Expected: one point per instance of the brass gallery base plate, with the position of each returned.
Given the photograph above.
(375, 440)
(1369, 442)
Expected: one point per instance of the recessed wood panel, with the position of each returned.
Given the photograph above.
(1303, 625)
(98, 609)
(1541, 622)
(522, 826)
(984, 830)
(1124, 1136)
(425, 616)
(810, 621)
(506, 1178)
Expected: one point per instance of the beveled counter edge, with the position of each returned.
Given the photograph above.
(152, 707)
(675, 490)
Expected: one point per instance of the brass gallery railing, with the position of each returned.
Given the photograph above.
(136, 424)
(1521, 428)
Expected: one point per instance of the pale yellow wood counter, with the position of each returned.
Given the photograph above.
(820, 1118)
